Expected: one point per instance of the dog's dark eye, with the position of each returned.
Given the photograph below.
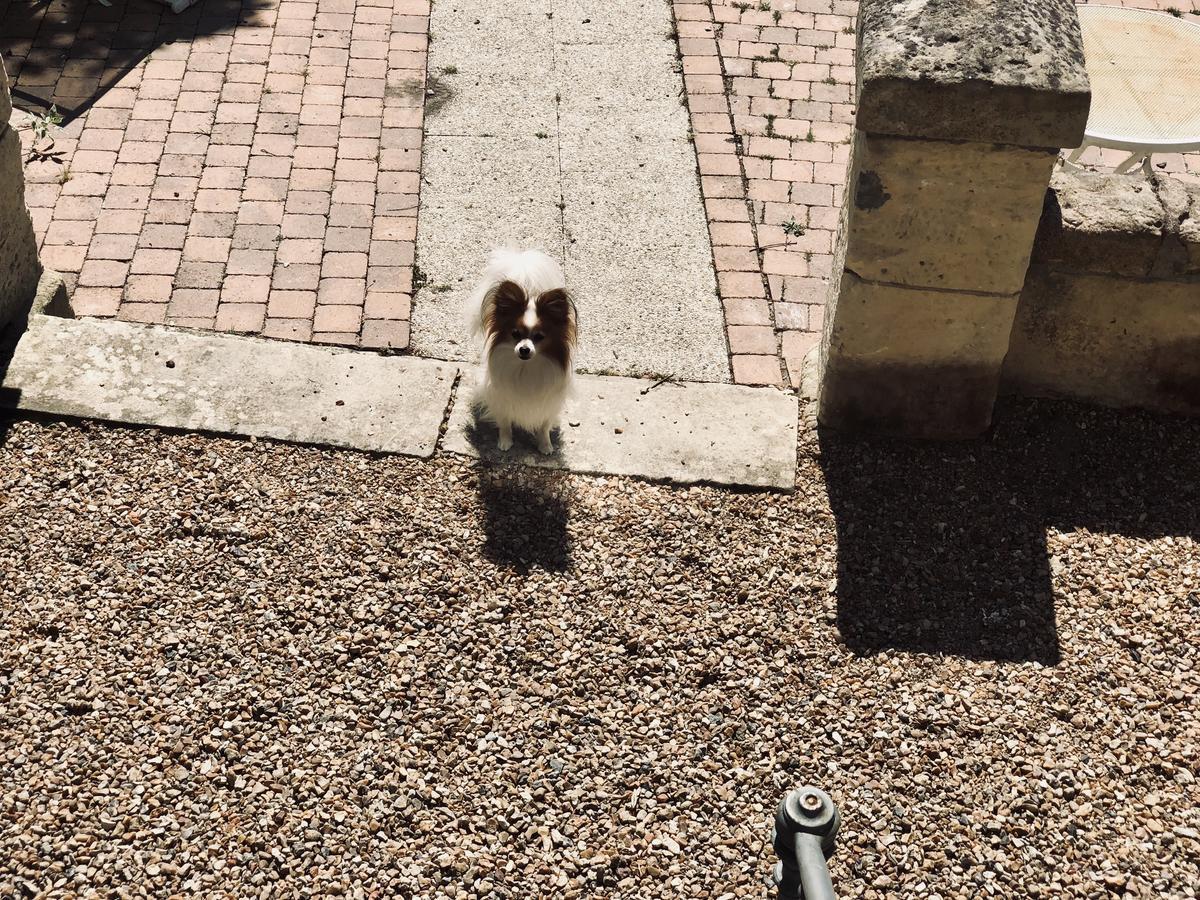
(537, 337)
(516, 335)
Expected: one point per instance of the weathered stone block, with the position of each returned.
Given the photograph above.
(1189, 232)
(912, 362)
(1100, 223)
(1107, 340)
(1010, 71)
(962, 107)
(19, 266)
(957, 216)
(1180, 254)
(5, 96)
(51, 297)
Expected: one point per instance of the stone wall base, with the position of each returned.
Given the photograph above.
(914, 362)
(1110, 312)
(1108, 340)
(19, 267)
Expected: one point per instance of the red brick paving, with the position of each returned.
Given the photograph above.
(253, 165)
(770, 86)
(256, 172)
(769, 92)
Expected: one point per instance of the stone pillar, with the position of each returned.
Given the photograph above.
(962, 108)
(19, 266)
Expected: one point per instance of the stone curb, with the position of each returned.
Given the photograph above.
(685, 432)
(229, 384)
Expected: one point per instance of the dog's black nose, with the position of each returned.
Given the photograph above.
(524, 352)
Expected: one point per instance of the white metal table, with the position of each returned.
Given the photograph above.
(1145, 73)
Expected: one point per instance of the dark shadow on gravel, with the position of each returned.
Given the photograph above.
(9, 397)
(6, 415)
(526, 513)
(525, 509)
(941, 547)
(52, 295)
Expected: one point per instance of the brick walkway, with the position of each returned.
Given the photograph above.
(254, 166)
(770, 87)
(256, 170)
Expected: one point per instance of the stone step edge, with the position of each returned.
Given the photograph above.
(673, 432)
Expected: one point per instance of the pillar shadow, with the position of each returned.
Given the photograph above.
(941, 547)
(9, 397)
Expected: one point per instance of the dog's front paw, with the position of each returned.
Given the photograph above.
(504, 444)
(545, 446)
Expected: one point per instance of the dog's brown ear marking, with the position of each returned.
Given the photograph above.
(555, 306)
(557, 310)
(509, 299)
(504, 303)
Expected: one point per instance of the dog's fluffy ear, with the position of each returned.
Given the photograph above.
(504, 301)
(556, 306)
(510, 300)
(557, 310)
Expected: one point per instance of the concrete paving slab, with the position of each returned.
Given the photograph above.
(477, 40)
(609, 21)
(477, 194)
(671, 321)
(491, 173)
(635, 74)
(467, 110)
(665, 285)
(637, 94)
(593, 202)
(630, 144)
(630, 191)
(480, 73)
(151, 375)
(460, 11)
(689, 433)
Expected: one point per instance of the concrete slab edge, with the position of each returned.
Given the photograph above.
(225, 384)
(675, 432)
(153, 375)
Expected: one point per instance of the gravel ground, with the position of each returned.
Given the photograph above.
(245, 669)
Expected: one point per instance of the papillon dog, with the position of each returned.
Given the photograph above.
(528, 324)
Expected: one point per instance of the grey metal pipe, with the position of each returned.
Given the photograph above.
(815, 883)
(806, 826)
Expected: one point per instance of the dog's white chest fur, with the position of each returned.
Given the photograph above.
(528, 393)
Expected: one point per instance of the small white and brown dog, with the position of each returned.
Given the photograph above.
(527, 321)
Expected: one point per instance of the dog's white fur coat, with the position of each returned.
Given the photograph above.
(527, 393)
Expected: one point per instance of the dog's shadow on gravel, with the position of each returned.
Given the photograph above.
(526, 508)
(526, 513)
(942, 548)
